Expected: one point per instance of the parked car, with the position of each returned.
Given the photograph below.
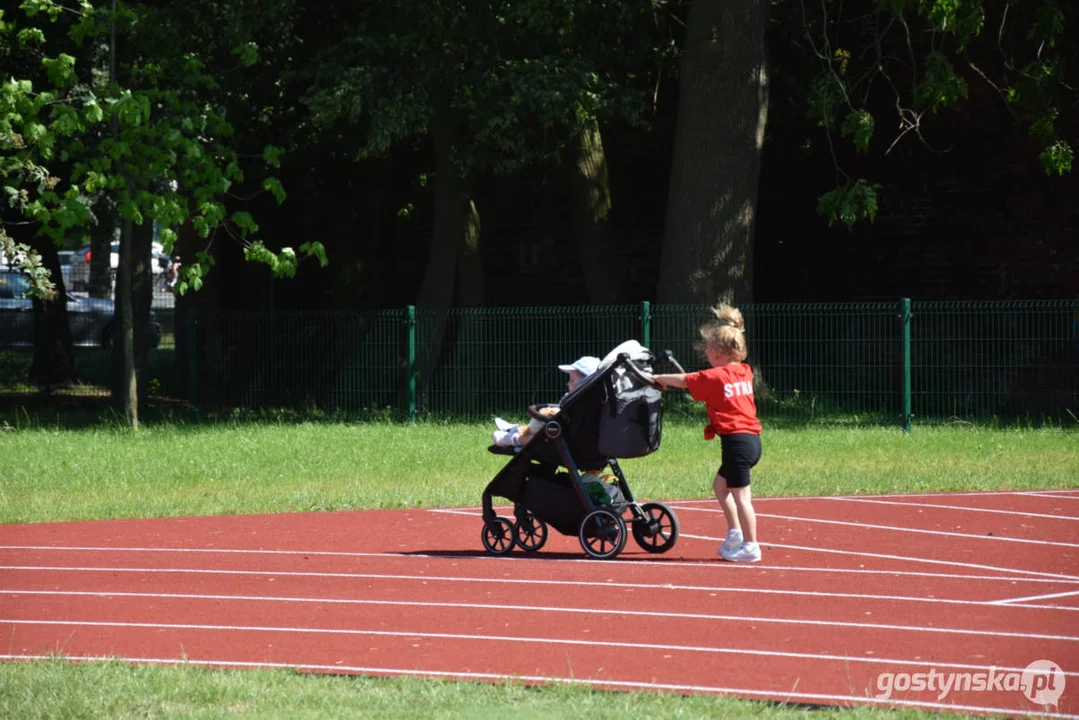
(78, 277)
(92, 321)
(65, 266)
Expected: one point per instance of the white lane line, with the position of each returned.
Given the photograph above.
(604, 643)
(623, 684)
(871, 526)
(471, 512)
(882, 556)
(604, 611)
(1071, 493)
(956, 507)
(943, 533)
(226, 551)
(1055, 497)
(1035, 597)
(635, 563)
(526, 581)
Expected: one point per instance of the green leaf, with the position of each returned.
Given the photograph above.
(248, 53)
(38, 211)
(33, 7)
(1058, 158)
(29, 36)
(859, 124)
(316, 250)
(167, 237)
(61, 70)
(35, 132)
(825, 97)
(1048, 24)
(962, 18)
(65, 120)
(274, 186)
(245, 222)
(850, 204)
(941, 86)
(272, 156)
(95, 181)
(213, 212)
(92, 112)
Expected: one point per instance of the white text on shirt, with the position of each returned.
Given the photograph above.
(740, 388)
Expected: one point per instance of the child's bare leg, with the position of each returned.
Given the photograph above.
(742, 499)
(723, 494)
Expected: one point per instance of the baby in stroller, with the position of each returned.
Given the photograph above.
(599, 486)
(613, 413)
(513, 435)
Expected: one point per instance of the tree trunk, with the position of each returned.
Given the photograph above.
(591, 197)
(141, 297)
(54, 352)
(471, 348)
(723, 108)
(450, 201)
(359, 278)
(100, 277)
(453, 222)
(185, 351)
(470, 261)
(125, 388)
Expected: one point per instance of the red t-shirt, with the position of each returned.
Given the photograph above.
(727, 392)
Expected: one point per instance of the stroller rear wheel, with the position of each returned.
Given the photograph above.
(657, 531)
(530, 532)
(498, 536)
(602, 534)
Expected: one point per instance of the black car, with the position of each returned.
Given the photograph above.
(92, 321)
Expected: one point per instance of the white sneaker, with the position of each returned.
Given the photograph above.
(732, 543)
(507, 438)
(503, 438)
(748, 552)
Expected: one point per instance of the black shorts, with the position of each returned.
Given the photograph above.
(740, 453)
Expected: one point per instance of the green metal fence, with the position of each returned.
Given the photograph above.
(878, 362)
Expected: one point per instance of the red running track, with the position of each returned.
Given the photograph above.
(936, 601)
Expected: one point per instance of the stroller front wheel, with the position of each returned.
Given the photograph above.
(497, 536)
(602, 534)
(530, 532)
(657, 530)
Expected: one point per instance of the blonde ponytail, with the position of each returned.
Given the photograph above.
(729, 315)
(726, 334)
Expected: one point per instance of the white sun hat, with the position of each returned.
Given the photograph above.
(585, 365)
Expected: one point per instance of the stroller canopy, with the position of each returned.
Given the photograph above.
(614, 413)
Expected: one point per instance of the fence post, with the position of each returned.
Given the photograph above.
(192, 359)
(646, 323)
(904, 310)
(410, 332)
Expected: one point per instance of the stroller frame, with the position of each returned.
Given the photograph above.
(542, 496)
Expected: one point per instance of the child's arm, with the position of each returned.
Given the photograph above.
(671, 381)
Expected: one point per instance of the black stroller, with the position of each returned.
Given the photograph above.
(614, 413)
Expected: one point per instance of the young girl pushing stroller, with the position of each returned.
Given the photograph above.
(726, 388)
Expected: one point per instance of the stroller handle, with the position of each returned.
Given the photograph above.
(534, 411)
(641, 377)
(670, 358)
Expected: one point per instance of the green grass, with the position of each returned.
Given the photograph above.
(49, 474)
(173, 470)
(110, 689)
